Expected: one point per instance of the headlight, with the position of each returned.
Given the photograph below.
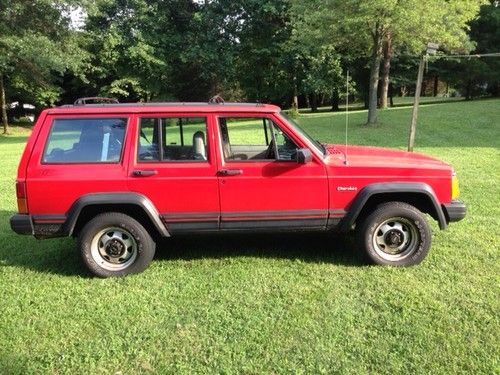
(455, 190)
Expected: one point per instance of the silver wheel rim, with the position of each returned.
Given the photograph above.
(113, 249)
(396, 239)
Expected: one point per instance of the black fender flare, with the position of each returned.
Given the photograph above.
(390, 187)
(128, 198)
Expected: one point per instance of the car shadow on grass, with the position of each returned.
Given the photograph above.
(54, 256)
(308, 247)
(60, 256)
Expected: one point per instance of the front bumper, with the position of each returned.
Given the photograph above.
(454, 211)
(22, 224)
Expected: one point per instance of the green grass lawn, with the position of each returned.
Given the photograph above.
(272, 303)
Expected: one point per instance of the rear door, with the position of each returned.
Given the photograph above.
(173, 164)
(76, 155)
(261, 184)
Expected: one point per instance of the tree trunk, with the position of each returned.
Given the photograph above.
(436, 85)
(424, 88)
(335, 100)
(314, 102)
(374, 77)
(295, 100)
(3, 104)
(468, 90)
(391, 94)
(386, 68)
(404, 91)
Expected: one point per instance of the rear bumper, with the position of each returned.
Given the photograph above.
(22, 224)
(38, 226)
(455, 211)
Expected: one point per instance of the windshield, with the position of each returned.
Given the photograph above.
(301, 131)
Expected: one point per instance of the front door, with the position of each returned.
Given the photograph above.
(261, 184)
(174, 166)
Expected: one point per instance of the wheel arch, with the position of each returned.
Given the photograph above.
(135, 205)
(419, 195)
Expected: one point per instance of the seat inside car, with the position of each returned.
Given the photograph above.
(200, 152)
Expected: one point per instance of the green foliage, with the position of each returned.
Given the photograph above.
(362, 27)
(264, 31)
(37, 46)
(256, 50)
(475, 77)
(321, 72)
(485, 32)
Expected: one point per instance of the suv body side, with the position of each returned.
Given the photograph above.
(135, 175)
(195, 196)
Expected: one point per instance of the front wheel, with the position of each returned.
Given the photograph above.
(395, 234)
(114, 244)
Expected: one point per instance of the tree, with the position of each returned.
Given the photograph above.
(317, 63)
(265, 65)
(446, 23)
(127, 60)
(182, 50)
(36, 42)
(322, 75)
(485, 32)
(375, 27)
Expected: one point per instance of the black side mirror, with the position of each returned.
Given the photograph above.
(304, 156)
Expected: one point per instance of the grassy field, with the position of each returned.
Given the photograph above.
(272, 303)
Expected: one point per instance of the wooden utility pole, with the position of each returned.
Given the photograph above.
(414, 116)
(431, 49)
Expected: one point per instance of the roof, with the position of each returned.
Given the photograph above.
(163, 107)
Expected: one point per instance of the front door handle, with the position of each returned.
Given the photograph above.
(144, 173)
(229, 172)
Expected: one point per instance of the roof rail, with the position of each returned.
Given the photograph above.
(95, 99)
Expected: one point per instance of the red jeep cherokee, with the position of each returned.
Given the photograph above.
(121, 176)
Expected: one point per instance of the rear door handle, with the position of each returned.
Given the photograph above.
(229, 172)
(144, 173)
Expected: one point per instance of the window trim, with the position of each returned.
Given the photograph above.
(317, 146)
(263, 117)
(126, 117)
(160, 136)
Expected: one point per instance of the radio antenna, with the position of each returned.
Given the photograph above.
(346, 113)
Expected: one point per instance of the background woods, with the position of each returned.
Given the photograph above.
(279, 51)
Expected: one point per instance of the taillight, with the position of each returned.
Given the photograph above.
(22, 201)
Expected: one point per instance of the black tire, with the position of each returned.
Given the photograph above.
(395, 234)
(114, 244)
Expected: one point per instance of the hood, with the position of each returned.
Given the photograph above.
(365, 156)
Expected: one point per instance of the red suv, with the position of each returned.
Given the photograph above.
(121, 176)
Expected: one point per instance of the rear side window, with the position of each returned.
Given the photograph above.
(96, 140)
(173, 139)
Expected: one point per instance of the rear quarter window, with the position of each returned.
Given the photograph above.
(95, 140)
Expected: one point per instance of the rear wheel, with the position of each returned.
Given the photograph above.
(114, 244)
(395, 234)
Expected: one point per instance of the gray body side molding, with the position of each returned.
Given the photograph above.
(387, 188)
(114, 198)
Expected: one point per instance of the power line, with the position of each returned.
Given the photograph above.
(479, 55)
(429, 56)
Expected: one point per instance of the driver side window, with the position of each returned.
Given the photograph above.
(254, 139)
